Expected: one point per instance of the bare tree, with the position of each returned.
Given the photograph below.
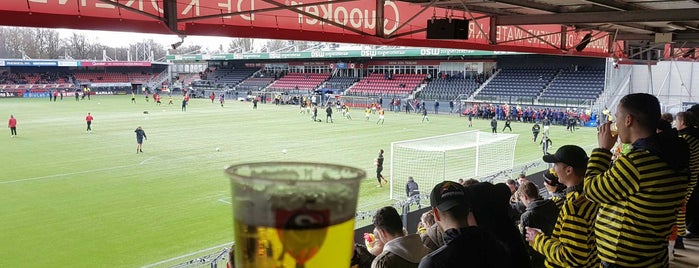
(303, 45)
(241, 45)
(142, 50)
(276, 44)
(197, 49)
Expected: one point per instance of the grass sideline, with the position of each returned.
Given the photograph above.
(72, 199)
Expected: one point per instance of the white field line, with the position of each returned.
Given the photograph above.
(65, 174)
(146, 160)
(185, 255)
(226, 200)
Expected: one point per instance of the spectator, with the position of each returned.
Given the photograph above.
(493, 213)
(466, 242)
(432, 236)
(540, 214)
(572, 242)
(399, 250)
(640, 192)
(553, 189)
(687, 127)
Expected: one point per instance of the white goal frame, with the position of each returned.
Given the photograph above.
(438, 156)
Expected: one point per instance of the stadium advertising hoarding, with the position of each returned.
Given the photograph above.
(318, 20)
(69, 63)
(115, 63)
(365, 53)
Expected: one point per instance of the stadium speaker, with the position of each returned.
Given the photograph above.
(447, 29)
(584, 42)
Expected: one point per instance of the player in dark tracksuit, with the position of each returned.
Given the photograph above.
(140, 135)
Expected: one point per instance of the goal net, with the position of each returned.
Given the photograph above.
(455, 156)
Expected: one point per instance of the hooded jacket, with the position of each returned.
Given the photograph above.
(402, 252)
(541, 214)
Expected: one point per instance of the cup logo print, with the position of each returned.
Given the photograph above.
(302, 232)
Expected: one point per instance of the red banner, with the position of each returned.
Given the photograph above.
(269, 21)
(115, 63)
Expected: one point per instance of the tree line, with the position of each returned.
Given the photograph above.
(42, 43)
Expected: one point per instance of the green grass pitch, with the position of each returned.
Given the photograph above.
(73, 199)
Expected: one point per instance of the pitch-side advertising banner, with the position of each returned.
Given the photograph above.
(304, 21)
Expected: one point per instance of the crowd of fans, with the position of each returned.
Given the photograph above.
(628, 204)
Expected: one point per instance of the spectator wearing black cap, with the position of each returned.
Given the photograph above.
(399, 250)
(466, 243)
(540, 214)
(572, 243)
(639, 193)
(553, 189)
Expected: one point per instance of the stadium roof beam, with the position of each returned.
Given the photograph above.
(650, 37)
(690, 14)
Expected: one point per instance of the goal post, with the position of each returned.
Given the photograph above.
(462, 155)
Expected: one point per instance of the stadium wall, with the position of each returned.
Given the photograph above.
(675, 83)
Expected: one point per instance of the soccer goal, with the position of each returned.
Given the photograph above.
(455, 156)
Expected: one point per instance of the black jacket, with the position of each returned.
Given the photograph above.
(540, 214)
(468, 247)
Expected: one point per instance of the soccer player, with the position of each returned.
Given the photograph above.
(12, 124)
(329, 113)
(184, 104)
(507, 125)
(133, 97)
(640, 192)
(140, 135)
(545, 143)
(535, 130)
(379, 168)
(381, 116)
(347, 113)
(212, 97)
(367, 113)
(494, 125)
(89, 119)
(169, 100)
(470, 119)
(221, 99)
(424, 115)
(547, 125)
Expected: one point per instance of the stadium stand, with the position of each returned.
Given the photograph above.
(448, 89)
(224, 78)
(518, 84)
(300, 81)
(340, 83)
(254, 83)
(398, 85)
(575, 84)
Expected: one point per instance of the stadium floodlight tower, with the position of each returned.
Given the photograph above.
(462, 155)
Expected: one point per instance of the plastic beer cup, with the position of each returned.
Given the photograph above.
(293, 214)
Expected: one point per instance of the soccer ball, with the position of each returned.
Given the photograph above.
(218, 149)
(284, 151)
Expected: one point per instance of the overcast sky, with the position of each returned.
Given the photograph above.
(124, 39)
